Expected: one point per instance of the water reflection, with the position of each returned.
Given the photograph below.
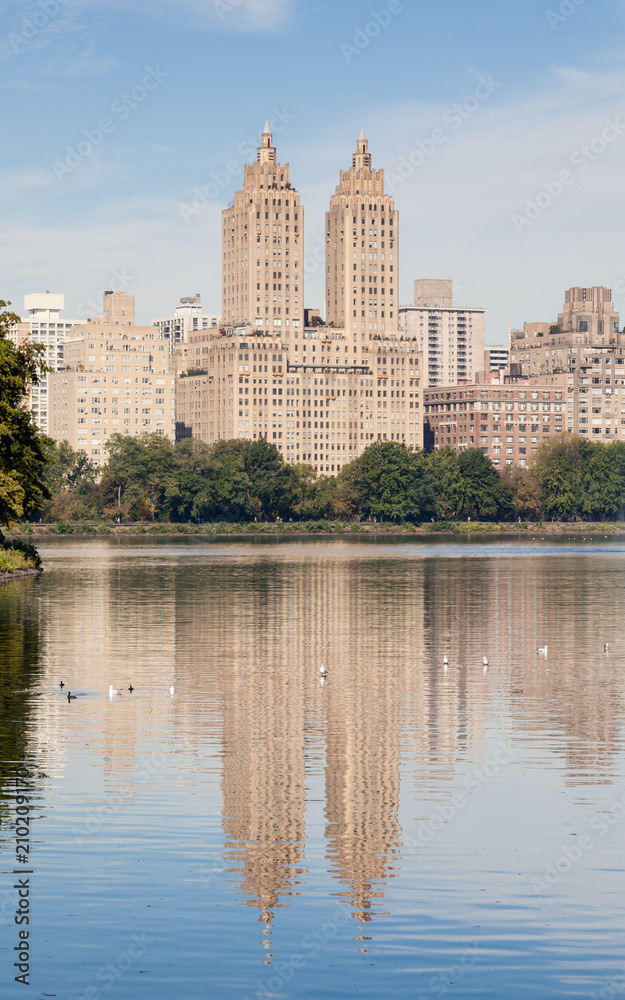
(389, 737)
(19, 670)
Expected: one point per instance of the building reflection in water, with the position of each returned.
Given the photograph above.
(246, 634)
(20, 646)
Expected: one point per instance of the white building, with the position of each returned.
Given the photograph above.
(496, 359)
(43, 325)
(450, 337)
(188, 318)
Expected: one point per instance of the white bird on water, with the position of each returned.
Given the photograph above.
(606, 648)
(171, 689)
(112, 691)
(485, 661)
(322, 670)
(445, 661)
(542, 650)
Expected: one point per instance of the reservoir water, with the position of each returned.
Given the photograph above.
(402, 830)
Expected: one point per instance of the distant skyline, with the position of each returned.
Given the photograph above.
(501, 129)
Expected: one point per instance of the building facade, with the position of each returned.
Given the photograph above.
(508, 423)
(590, 314)
(263, 250)
(322, 406)
(44, 325)
(362, 252)
(587, 328)
(450, 338)
(188, 318)
(116, 379)
(496, 359)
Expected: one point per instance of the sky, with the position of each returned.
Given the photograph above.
(500, 125)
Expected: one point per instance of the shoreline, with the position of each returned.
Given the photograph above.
(18, 574)
(311, 529)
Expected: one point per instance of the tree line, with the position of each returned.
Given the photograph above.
(151, 479)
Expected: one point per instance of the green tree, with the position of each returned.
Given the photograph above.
(446, 482)
(390, 481)
(525, 491)
(603, 482)
(137, 477)
(558, 468)
(193, 491)
(484, 495)
(271, 486)
(67, 471)
(22, 449)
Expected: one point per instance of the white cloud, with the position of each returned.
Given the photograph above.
(88, 64)
(456, 206)
(455, 209)
(228, 15)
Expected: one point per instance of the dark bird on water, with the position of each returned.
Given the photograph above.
(61, 685)
(70, 696)
(131, 689)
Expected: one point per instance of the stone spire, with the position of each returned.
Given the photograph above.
(362, 156)
(266, 150)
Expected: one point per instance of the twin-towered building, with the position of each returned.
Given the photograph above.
(322, 394)
(362, 252)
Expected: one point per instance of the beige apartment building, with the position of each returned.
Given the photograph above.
(263, 250)
(188, 318)
(587, 327)
(44, 325)
(322, 406)
(117, 379)
(321, 394)
(450, 337)
(362, 252)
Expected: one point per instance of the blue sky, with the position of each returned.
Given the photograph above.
(536, 81)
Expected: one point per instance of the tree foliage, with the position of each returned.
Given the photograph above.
(151, 479)
(22, 447)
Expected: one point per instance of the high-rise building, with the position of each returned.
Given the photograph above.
(263, 250)
(590, 313)
(320, 394)
(587, 329)
(116, 379)
(362, 252)
(188, 318)
(43, 325)
(450, 337)
(323, 407)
